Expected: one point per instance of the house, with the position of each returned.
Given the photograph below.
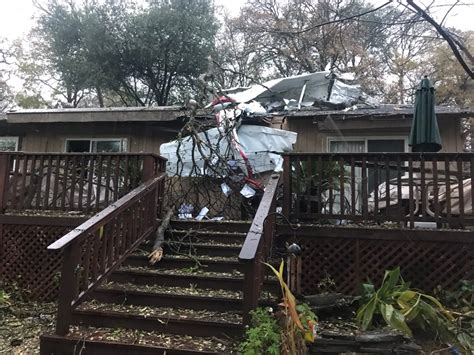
(74, 253)
(137, 129)
(328, 111)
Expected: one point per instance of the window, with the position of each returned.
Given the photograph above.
(96, 145)
(369, 145)
(8, 144)
(366, 145)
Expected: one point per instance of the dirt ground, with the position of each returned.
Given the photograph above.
(21, 324)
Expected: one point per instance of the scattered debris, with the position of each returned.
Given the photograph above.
(305, 90)
(191, 290)
(226, 189)
(165, 312)
(247, 191)
(185, 211)
(139, 337)
(261, 145)
(202, 214)
(21, 324)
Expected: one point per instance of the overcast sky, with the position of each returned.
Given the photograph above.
(16, 15)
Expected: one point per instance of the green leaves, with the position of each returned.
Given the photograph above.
(365, 314)
(264, 335)
(4, 298)
(398, 306)
(139, 53)
(289, 300)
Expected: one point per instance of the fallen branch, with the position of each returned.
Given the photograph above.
(157, 251)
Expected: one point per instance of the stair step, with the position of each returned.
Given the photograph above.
(216, 264)
(224, 250)
(207, 236)
(160, 296)
(221, 226)
(190, 298)
(105, 341)
(167, 320)
(184, 278)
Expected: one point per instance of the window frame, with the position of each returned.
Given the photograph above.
(15, 138)
(123, 143)
(366, 139)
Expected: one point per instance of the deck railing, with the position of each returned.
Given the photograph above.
(257, 247)
(378, 187)
(82, 182)
(98, 246)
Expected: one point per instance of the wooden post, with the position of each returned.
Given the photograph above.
(250, 301)
(4, 175)
(148, 168)
(286, 186)
(67, 288)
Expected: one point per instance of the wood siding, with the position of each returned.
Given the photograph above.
(141, 137)
(148, 136)
(313, 136)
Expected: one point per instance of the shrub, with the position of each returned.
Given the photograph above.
(263, 337)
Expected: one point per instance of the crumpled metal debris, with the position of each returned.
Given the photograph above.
(261, 145)
(303, 90)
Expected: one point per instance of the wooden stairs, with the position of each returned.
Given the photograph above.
(181, 305)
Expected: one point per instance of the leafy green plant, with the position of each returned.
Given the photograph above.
(462, 297)
(399, 305)
(4, 299)
(263, 337)
(298, 321)
(326, 285)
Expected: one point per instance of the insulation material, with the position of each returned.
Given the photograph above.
(260, 144)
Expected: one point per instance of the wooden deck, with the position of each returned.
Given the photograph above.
(96, 218)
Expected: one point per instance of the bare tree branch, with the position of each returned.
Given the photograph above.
(445, 35)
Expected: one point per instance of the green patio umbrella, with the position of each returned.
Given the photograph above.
(424, 135)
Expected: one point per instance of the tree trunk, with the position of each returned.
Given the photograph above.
(100, 96)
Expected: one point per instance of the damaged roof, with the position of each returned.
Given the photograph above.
(112, 114)
(381, 112)
(324, 95)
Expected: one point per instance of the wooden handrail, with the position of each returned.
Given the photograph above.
(254, 235)
(257, 247)
(99, 245)
(106, 215)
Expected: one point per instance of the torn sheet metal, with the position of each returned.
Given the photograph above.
(304, 90)
(260, 144)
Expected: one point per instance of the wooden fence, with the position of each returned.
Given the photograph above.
(380, 187)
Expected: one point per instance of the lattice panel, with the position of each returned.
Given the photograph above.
(424, 264)
(26, 262)
(328, 258)
(351, 261)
